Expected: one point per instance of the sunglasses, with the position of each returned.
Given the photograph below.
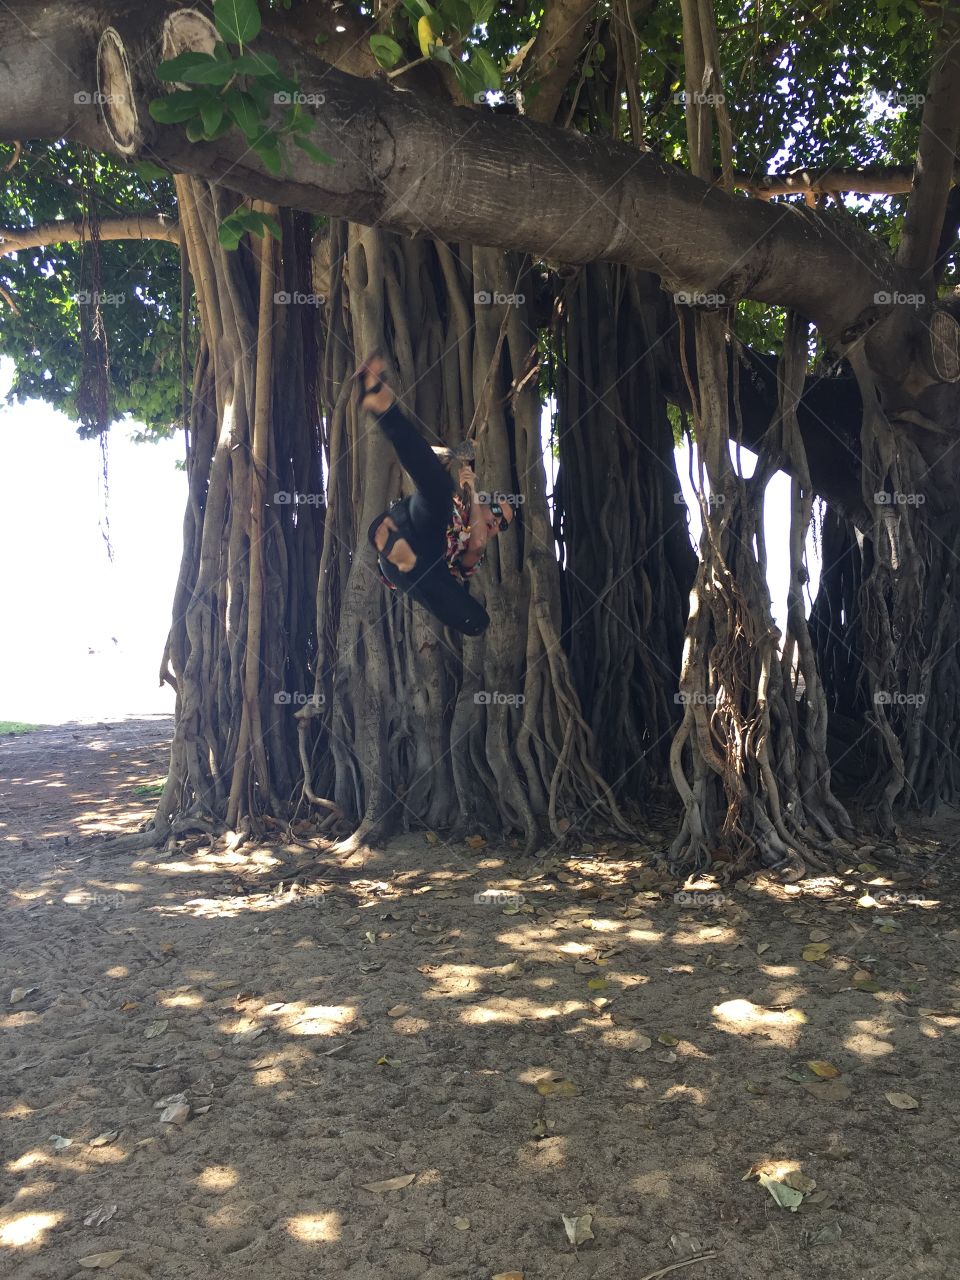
(497, 510)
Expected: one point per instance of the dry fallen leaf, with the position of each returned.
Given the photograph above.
(578, 1228)
(666, 1038)
(785, 1196)
(685, 1245)
(799, 1181)
(101, 1259)
(556, 1087)
(244, 1037)
(390, 1184)
(59, 1142)
(103, 1139)
(398, 1011)
(816, 951)
(476, 842)
(508, 1275)
(21, 993)
(176, 1113)
(902, 1101)
(462, 1224)
(101, 1214)
(156, 1028)
(825, 1070)
(642, 1043)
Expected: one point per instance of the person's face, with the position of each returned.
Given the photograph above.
(495, 515)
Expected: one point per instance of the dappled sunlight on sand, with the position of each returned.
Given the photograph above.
(218, 1177)
(314, 1228)
(743, 1017)
(26, 1230)
(865, 1038)
(518, 1009)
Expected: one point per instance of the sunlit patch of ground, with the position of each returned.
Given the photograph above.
(410, 1062)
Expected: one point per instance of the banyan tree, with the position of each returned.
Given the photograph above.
(577, 230)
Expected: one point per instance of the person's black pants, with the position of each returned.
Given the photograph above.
(423, 519)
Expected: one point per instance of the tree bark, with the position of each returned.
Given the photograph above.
(134, 227)
(415, 166)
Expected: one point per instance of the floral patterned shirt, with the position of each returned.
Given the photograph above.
(458, 536)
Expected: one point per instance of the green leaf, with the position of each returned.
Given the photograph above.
(237, 20)
(195, 130)
(386, 51)
(485, 68)
(262, 94)
(243, 107)
(150, 172)
(457, 14)
(313, 151)
(223, 128)
(212, 114)
(268, 149)
(247, 222)
(176, 107)
(442, 54)
(194, 68)
(256, 64)
(230, 233)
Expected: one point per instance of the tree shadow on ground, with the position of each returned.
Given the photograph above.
(595, 1041)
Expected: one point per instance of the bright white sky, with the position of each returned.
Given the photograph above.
(64, 597)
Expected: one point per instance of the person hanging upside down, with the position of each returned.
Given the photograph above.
(430, 543)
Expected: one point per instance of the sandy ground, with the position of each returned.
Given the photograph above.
(593, 1046)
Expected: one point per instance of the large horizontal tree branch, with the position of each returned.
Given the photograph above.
(881, 180)
(134, 227)
(456, 174)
